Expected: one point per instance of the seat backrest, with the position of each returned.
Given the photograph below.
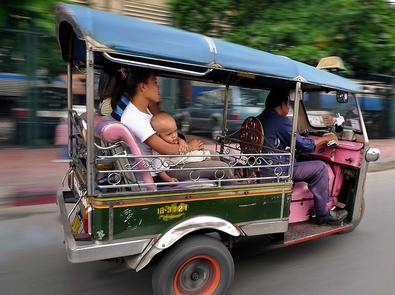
(113, 131)
(251, 136)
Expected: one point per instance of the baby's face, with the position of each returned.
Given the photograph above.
(169, 132)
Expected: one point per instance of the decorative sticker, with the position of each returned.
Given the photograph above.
(100, 234)
(355, 124)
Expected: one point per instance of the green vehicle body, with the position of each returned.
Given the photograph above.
(137, 217)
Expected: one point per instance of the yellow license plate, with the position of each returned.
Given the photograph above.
(76, 224)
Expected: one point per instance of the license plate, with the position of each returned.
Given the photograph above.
(76, 224)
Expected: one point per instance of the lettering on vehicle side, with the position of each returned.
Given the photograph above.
(172, 211)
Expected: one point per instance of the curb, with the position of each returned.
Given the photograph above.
(381, 166)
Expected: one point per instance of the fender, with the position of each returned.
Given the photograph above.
(175, 233)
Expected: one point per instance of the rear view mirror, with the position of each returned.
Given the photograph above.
(342, 96)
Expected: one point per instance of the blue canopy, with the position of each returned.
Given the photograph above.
(174, 52)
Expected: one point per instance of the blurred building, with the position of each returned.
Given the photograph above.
(149, 10)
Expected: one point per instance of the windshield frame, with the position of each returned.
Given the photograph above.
(322, 110)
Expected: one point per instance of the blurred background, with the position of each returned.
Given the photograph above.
(32, 73)
(32, 109)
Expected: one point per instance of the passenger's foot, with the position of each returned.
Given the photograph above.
(332, 217)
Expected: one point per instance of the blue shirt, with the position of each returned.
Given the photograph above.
(278, 133)
(121, 105)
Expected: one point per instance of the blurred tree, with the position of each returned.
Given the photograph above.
(28, 42)
(362, 32)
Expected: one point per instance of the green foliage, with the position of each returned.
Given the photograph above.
(28, 44)
(360, 31)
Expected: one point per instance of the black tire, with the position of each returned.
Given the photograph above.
(355, 222)
(196, 265)
(185, 124)
(216, 129)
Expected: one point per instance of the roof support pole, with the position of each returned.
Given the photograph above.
(90, 97)
(298, 98)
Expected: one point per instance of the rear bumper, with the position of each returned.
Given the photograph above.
(93, 251)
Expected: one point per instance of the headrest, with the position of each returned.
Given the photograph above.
(112, 131)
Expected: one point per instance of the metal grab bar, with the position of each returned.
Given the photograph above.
(156, 67)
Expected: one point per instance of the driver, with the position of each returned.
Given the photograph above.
(278, 131)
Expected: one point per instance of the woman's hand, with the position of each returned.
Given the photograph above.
(183, 146)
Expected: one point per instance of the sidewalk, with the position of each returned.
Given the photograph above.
(30, 175)
(33, 176)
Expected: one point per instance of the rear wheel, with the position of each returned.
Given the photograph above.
(196, 265)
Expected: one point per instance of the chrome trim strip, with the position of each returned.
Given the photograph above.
(265, 227)
(156, 67)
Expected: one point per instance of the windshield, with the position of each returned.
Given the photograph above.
(322, 110)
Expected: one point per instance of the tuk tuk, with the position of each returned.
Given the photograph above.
(112, 208)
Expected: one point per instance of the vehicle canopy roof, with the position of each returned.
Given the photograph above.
(178, 53)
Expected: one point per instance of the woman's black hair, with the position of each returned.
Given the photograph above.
(109, 86)
(135, 76)
(117, 80)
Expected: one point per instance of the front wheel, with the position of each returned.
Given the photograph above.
(196, 265)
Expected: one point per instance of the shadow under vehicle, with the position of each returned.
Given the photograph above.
(113, 210)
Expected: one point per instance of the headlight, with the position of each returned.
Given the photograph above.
(372, 154)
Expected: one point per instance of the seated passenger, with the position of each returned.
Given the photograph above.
(120, 102)
(109, 90)
(142, 89)
(113, 100)
(278, 132)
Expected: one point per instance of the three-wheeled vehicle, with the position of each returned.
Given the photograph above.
(113, 209)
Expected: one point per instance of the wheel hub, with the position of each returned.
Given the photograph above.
(195, 276)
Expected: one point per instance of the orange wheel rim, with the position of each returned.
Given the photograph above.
(192, 269)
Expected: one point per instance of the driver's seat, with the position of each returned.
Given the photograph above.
(251, 136)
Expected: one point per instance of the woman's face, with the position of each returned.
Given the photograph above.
(151, 90)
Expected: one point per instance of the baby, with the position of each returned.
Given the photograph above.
(166, 128)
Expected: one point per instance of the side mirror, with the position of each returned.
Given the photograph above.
(342, 96)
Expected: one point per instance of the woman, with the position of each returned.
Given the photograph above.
(113, 101)
(142, 89)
